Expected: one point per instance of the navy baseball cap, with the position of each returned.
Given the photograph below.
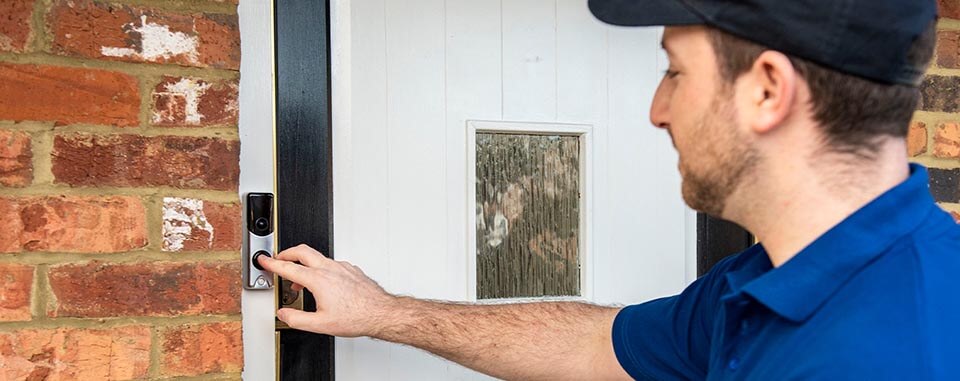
(868, 38)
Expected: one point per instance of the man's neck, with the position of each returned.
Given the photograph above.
(793, 204)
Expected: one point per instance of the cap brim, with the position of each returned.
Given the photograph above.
(643, 12)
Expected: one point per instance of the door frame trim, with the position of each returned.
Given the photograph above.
(257, 172)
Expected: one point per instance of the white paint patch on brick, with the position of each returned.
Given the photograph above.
(6, 43)
(180, 217)
(233, 106)
(157, 41)
(190, 90)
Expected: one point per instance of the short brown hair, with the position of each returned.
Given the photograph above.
(854, 112)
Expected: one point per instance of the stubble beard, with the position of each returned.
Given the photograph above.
(726, 156)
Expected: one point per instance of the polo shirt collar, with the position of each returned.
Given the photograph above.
(800, 286)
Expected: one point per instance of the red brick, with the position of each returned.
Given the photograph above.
(949, 9)
(145, 289)
(132, 160)
(68, 95)
(219, 40)
(16, 283)
(193, 350)
(946, 143)
(15, 24)
(948, 49)
(119, 353)
(74, 224)
(91, 29)
(16, 168)
(11, 227)
(192, 224)
(180, 101)
(917, 139)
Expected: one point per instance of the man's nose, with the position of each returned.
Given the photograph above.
(660, 108)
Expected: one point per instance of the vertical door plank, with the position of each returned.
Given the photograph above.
(416, 129)
(368, 165)
(474, 92)
(361, 217)
(529, 60)
(581, 64)
(582, 89)
(646, 187)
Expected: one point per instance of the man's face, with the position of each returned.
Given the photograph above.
(698, 110)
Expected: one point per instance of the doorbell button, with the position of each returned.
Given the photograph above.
(256, 259)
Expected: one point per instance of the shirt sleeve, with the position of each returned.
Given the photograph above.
(669, 338)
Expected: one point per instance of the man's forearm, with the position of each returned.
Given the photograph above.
(548, 340)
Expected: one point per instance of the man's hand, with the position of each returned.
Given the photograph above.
(349, 304)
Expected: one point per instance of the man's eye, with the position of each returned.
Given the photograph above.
(670, 73)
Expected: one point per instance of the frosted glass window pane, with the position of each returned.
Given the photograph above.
(528, 215)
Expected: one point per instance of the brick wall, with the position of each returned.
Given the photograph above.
(119, 214)
(934, 138)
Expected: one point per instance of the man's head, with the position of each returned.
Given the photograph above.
(722, 95)
(736, 107)
(853, 112)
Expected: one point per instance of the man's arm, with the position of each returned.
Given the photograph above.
(550, 340)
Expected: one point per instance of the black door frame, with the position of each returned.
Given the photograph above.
(304, 163)
(717, 239)
(304, 171)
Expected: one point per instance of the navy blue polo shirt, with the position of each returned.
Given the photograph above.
(877, 297)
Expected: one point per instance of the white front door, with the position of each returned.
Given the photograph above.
(413, 82)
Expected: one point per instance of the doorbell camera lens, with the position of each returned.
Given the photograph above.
(259, 212)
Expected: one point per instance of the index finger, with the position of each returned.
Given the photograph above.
(285, 269)
(304, 254)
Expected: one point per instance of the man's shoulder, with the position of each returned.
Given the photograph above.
(938, 240)
(932, 252)
(901, 311)
(918, 269)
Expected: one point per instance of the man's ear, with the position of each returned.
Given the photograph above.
(770, 88)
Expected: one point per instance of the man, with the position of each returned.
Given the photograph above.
(789, 118)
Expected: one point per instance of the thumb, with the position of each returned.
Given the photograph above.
(295, 318)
